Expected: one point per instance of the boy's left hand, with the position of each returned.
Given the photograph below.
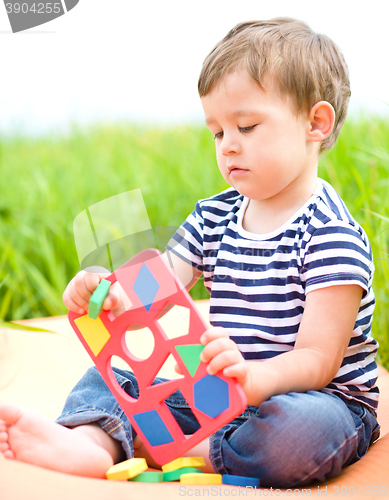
(222, 354)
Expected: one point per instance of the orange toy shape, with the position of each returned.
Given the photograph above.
(214, 399)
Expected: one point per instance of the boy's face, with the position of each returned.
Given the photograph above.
(261, 144)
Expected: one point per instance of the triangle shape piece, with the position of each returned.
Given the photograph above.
(190, 355)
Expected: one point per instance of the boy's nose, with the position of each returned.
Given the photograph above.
(229, 145)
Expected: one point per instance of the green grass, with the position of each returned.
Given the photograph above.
(47, 181)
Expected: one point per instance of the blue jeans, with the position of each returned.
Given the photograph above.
(289, 440)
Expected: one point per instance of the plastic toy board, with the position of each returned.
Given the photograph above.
(215, 400)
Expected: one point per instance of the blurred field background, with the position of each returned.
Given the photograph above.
(46, 182)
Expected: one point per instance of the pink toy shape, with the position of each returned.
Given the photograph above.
(151, 285)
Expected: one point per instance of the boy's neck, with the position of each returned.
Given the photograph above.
(266, 216)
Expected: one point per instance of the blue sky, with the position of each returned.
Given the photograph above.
(139, 61)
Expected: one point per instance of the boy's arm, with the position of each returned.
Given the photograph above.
(324, 334)
(187, 274)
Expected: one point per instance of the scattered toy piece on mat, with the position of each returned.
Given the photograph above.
(201, 479)
(97, 299)
(181, 462)
(175, 475)
(240, 480)
(148, 477)
(127, 469)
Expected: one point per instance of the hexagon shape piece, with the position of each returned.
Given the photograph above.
(211, 395)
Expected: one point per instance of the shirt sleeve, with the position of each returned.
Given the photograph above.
(187, 242)
(337, 254)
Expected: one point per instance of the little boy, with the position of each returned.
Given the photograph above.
(288, 269)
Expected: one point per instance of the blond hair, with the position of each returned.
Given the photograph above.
(308, 67)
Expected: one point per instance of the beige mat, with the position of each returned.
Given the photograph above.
(37, 370)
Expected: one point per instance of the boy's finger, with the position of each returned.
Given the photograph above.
(82, 285)
(222, 361)
(216, 346)
(238, 371)
(111, 301)
(73, 300)
(73, 306)
(91, 281)
(213, 333)
(177, 369)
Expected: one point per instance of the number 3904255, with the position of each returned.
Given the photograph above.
(35, 8)
(366, 491)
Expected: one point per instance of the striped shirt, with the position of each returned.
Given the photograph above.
(258, 282)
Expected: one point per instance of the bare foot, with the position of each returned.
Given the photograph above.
(32, 438)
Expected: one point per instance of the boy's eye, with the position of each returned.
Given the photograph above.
(247, 129)
(243, 130)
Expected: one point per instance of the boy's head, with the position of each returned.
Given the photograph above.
(305, 66)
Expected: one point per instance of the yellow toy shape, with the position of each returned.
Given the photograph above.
(94, 333)
(126, 470)
(181, 462)
(201, 479)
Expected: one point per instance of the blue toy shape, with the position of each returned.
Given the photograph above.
(240, 481)
(211, 395)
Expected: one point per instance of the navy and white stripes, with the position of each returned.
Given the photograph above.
(258, 283)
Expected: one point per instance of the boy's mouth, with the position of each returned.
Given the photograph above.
(234, 170)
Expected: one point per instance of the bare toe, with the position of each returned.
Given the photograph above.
(4, 447)
(10, 413)
(9, 454)
(4, 444)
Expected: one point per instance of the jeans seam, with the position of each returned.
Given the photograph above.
(106, 428)
(83, 410)
(111, 431)
(178, 405)
(217, 454)
(212, 454)
(353, 437)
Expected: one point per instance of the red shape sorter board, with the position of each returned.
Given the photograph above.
(214, 399)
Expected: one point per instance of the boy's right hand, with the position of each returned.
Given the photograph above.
(79, 291)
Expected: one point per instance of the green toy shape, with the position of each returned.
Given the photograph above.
(97, 299)
(190, 355)
(175, 475)
(148, 477)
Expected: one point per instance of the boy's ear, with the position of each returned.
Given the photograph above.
(322, 119)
